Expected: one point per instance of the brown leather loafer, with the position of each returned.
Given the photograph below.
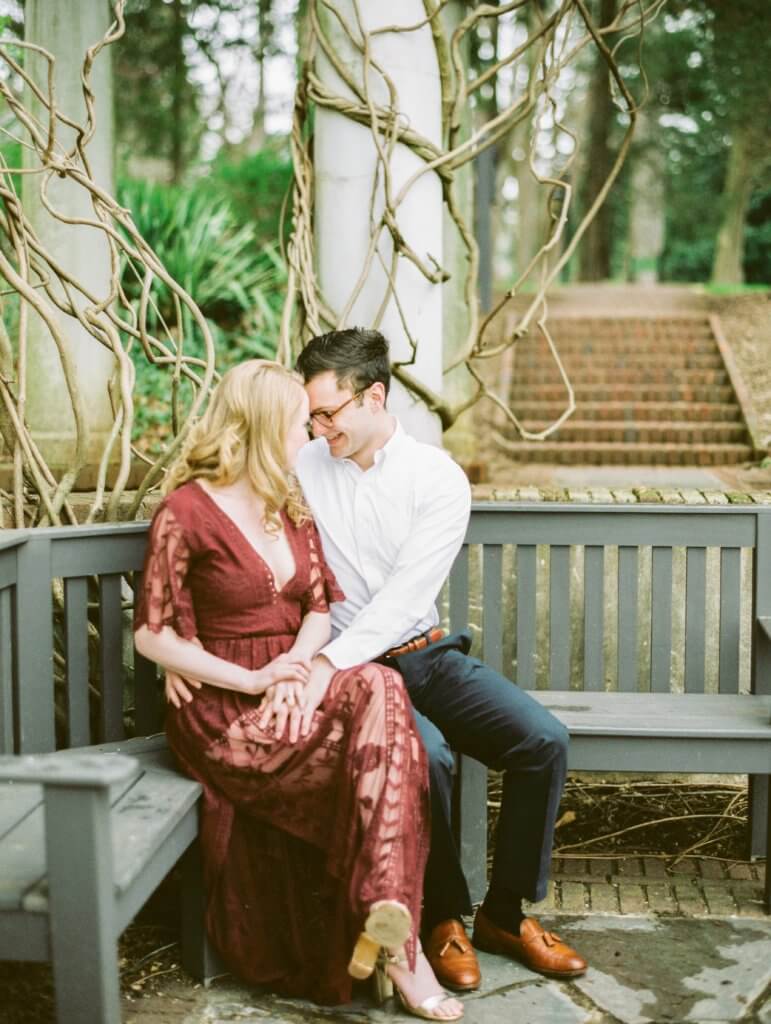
(537, 949)
(454, 962)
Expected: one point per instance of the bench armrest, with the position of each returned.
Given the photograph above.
(88, 771)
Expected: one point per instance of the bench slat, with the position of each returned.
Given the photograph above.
(559, 617)
(594, 618)
(76, 638)
(459, 592)
(695, 615)
(34, 648)
(111, 656)
(527, 565)
(17, 800)
(492, 606)
(6, 671)
(148, 715)
(667, 526)
(8, 569)
(627, 618)
(761, 649)
(730, 621)
(661, 619)
(705, 716)
(78, 553)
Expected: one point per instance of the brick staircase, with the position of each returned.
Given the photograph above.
(649, 391)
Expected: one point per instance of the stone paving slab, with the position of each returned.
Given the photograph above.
(644, 970)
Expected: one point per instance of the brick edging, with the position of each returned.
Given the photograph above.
(740, 389)
(621, 495)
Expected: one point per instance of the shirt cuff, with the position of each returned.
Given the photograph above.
(344, 654)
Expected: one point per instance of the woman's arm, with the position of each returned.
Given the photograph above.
(184, 657)
(315, 631)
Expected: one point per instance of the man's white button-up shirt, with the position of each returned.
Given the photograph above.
(390, 535)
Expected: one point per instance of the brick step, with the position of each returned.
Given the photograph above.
(640, 359)
(627, 327)
(638, 433)
(625, 393)
(635, 412)
(592, 374)
(581, 453)
(598, 344)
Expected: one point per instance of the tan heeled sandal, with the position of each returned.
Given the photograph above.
(388, 924)
(385, 987)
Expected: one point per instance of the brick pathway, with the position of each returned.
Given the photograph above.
(695, 887)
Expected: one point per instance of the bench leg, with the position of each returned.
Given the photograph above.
(758, 800)
(199, 957)
(82, 906)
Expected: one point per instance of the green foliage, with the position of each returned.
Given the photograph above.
(237, 283)
(258, 186)
(157, 113)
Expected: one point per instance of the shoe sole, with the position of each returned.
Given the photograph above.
(388, 924)
(499, 951)
(453, 987)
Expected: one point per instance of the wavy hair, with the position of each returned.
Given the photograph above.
(244, 430)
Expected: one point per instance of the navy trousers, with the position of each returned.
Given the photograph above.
(462, 705)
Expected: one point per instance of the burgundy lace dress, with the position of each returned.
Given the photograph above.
(298, 840)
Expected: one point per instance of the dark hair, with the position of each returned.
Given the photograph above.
(357, 356)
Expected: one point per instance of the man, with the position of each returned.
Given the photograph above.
(392, 513)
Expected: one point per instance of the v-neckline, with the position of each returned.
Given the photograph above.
(245, 540)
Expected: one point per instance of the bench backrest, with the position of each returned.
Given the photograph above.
(561, 596)
(623, 597)
(65, 616)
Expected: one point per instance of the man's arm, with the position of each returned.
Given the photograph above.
(421, 567)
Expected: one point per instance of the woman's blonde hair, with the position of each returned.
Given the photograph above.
(244, 430)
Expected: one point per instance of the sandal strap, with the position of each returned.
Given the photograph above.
(431, 1002)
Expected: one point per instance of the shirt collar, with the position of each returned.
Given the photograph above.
(389, 449)
(392, 444)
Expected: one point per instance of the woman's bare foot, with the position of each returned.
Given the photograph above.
(418, 987)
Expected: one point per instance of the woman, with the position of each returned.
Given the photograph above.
(314, 840)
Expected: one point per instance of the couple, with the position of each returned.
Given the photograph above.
(318, 704)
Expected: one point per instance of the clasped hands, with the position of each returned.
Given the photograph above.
(293, 687)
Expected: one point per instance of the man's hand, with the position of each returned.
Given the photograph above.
(178, 689)
(284, 699)
(322, 671)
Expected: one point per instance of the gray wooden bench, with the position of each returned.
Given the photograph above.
(541, 621)
(87, 832)
(681, 599)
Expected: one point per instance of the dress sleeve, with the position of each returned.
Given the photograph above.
(323, 588)
(163, 598)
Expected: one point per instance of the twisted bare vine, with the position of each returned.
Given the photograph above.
(554, 43)
(124, 328)
(111, 319)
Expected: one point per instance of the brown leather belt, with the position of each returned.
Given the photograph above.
(417, 643)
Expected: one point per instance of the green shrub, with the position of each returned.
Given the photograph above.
(237, 283)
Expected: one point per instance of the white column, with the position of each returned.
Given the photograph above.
(67, 28)
(345, 160)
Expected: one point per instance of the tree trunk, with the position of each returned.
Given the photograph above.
(594, 251)
(345, 161)
(740, 174)
(257, 133)
(646, 204)
(178, 99)
(67, 29)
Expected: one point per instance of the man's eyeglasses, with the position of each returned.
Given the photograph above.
(326, 417)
